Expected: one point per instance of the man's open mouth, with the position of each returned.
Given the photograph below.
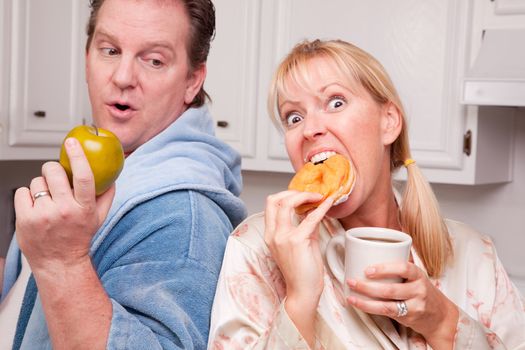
(122, 107)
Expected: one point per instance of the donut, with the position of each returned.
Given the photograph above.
(334, 176)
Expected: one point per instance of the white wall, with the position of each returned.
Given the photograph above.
(495, 210)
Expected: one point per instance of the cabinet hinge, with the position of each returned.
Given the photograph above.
(467, 142)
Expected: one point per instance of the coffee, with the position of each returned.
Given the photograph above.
(379, 239)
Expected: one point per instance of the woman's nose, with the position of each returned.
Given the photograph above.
(125, 73)
(313, 126)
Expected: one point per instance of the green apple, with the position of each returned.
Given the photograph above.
(103, 151)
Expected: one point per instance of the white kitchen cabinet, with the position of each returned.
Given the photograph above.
(232, 74)
(426, 46)
(42, 81)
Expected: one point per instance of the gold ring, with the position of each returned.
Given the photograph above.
(41, 194)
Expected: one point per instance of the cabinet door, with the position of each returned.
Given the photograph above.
(232, 73)
(419, 44)
(47, 91)
(424, 45)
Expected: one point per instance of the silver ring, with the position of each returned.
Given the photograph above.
(402, 309)
(41, 194)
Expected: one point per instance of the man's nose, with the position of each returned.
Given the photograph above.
(125, 74)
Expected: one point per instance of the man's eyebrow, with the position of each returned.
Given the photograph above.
(103, 35)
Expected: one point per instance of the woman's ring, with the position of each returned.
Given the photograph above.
(40, 194)
(402, 309)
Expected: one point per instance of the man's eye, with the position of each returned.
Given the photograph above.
(336, 102)
(156, 63)
(153, 62)
(293, 118)
(109, 51)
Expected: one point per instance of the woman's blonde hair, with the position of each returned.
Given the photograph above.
(420, 215)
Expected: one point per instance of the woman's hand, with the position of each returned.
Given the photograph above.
(430, 312)
(54, 231)
(296, 252)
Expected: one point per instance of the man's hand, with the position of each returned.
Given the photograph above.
(54, 231)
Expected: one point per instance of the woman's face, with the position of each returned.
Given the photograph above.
(329, 114)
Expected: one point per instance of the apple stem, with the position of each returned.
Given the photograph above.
(96, 129)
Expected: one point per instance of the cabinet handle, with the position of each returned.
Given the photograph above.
(222, 124)
(467, 142)
(40, 114)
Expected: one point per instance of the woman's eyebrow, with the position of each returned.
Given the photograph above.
(289, 102)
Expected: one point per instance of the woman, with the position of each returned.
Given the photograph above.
(275, 292)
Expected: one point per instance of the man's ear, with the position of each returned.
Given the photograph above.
(86, 66)
(391, 123)
(194, 83)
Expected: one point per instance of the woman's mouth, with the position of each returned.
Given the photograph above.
(321, 157)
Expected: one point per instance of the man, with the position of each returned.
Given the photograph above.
(137, 271)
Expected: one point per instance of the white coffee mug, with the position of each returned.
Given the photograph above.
(350, 254)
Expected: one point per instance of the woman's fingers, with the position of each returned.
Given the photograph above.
(384, 290)
(288, 204)
(376, 286)
(387, 308)
(313, 218)
(405, 270)
(270, 213)
(280, 207)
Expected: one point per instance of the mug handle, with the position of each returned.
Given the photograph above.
(335, 261)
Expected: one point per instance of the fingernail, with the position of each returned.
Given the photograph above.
(352, 283)
(352, 300)
(71, 142)
(370, 271)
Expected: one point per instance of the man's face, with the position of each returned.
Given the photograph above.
(137, 68)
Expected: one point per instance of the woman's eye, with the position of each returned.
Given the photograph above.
(293, 118)
(336, 102)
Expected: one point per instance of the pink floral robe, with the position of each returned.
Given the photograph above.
(248, 311)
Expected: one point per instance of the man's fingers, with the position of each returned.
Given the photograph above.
(104, 203)
(23, 201)
(54, 180)
(83, 179)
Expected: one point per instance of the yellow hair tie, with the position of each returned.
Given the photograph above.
(408, 162)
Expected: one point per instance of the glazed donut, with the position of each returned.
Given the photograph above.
(334, 176)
